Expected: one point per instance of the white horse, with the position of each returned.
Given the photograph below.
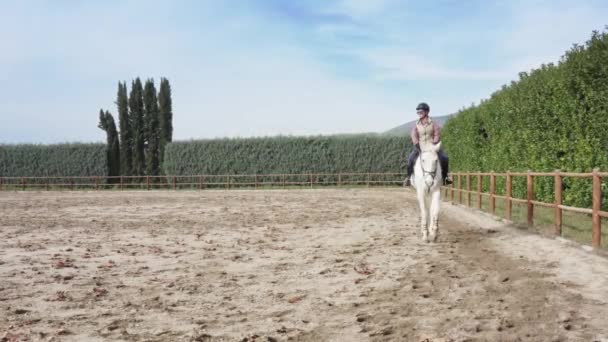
(427, 181)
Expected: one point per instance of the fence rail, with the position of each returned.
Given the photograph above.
(595, 211)
(202, 181)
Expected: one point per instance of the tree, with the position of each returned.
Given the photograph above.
(106, 123)
(136, 113)
(165, 116)
(126, 133)
(151, 119)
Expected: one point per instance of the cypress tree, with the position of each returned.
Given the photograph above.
(115, 145)
(126, 134)
(136, 113)
(106, 123)
(165, 116)
(152, 128)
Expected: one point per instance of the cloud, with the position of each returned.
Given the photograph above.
(541, 32)
(394, 64)
(502, 40)
(295, 97)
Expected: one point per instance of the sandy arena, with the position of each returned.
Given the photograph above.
(276, 265)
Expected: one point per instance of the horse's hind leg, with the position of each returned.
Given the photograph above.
(423, 216)
(434, 220)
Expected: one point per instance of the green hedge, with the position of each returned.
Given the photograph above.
(319, 154)
(53, 160)
(555, 117)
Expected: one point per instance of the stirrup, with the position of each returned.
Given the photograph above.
(407, 182)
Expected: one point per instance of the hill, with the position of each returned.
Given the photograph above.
(406, 128)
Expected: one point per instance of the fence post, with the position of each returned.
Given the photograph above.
(1, 182)
(147, 182)
(509, 207)
(339, 179)
(255, 180)
(447, 190)
(530, 190)
(492, 193)
(558, 202)
(22, 184)
(368, 179)
(460, 188)
(468, 189)
(46, 184)
(96, 182)
(72, 183)
(452, 192)
(596, 239)
(283, 180)
(174, 182)
(120, 182)
(479, 190)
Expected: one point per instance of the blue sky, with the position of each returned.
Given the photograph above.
(267, 67)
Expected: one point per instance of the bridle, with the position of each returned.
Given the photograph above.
(425, 172)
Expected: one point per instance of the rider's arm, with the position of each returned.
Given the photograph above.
(414, 135)
(436, 133)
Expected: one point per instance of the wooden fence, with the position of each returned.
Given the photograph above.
(530, 202)
(202, 181)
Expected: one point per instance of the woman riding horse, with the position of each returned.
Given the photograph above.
(426, 132)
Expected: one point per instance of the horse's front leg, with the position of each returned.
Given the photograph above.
(434, 222)
(423, 216)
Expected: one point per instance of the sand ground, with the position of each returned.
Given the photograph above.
(284, 265)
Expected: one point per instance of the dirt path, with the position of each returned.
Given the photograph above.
(301, 265)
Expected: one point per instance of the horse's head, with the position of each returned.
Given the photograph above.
(429, 161)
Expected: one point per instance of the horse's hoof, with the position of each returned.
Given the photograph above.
(433, 238)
